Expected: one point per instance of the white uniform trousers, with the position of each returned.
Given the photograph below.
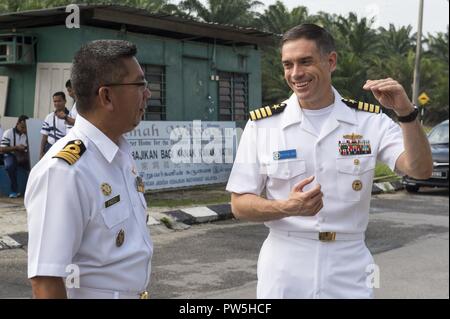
(293, 267)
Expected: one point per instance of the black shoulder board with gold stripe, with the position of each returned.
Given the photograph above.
(71, 152)
(362, 106)
(267, 111)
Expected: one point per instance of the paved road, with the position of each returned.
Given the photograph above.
(408, 235)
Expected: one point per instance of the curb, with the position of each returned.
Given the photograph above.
(6, 242)
(386, 187)
(206, 214)
(196, 215)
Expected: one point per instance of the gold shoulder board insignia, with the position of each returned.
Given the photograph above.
(267, 111)
(362, 106)
(71, 152)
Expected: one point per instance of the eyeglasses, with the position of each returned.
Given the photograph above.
(143, 83)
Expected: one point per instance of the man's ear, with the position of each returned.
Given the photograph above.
(104, 95)
(332, 60)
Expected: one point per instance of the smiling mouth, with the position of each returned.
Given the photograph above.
(301, 85)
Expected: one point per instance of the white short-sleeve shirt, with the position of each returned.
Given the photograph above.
(345, 176)
(54, 128)
(89, 214)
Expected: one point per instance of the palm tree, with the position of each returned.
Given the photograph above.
(277, 18)
(395, 41)
(438, 45)
(150, 5)
(274, 86)
(356, 34)
(350, 76)
(14, 5)
(436, 64)
(236, 12)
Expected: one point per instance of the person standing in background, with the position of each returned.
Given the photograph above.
(14, 147)
(54, 126)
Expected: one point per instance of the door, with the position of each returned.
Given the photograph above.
(50, 78)
(195, 89)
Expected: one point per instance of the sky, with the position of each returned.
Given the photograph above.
(398, 12)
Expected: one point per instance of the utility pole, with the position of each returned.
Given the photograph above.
(415, 92)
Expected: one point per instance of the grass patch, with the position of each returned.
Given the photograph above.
(384, 174)
(199, 196)
(166, 221)
(383, 170)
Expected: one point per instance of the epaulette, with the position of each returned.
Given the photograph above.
(71, 152)
(267, 111)
(362, 106)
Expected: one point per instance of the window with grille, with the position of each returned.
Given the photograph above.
(233, 96)
(156, 105)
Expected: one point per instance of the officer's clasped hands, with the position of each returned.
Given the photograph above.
(302, 203)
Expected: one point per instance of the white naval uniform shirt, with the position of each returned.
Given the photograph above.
(54, 128)
(68, 222)
(345, 209)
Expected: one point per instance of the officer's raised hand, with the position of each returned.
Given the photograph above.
(302, 203)
(390, 94)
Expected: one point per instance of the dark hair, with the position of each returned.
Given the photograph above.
(323, 39)
(61, 94)
(98, 63)
(68, 84)
(22, 118)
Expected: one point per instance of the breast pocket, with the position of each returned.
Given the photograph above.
(354, 176)
(282, 176)
(115, 214)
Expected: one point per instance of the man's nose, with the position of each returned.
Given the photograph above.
(298, 71)
(147, 93)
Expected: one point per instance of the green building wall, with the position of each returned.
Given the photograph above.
(57, 44)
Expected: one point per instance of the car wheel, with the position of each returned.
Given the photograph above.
(412, 188)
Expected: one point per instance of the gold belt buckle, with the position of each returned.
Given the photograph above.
(327, 236)
(143, 295)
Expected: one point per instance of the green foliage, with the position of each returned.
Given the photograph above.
(236, 12)
(21, 5)
(382, 170)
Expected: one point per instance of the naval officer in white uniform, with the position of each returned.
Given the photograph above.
(315, 156)
(84, 199)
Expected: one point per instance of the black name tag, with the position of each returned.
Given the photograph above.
(112, 201)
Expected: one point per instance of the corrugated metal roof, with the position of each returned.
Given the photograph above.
(90, 15)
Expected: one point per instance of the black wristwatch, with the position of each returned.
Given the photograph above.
(410, 117)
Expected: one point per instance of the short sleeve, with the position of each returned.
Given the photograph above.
(6, 139)
(57, 209)
(246, 175)
(45, 130)
(391, 143)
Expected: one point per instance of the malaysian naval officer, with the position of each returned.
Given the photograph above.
(85, 200)
(315, 156)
